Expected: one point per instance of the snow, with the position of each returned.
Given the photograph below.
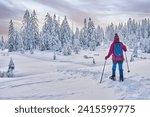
(38, 76)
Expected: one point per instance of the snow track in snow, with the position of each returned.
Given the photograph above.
(37, 76)
(132, 89)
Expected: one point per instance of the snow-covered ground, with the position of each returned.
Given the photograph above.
(38, 76)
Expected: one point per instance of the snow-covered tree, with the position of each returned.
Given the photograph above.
(92, 43)
(84, 35)
(77, 41)
(66, 49)
(25, 30)
(30, 31)
(19, 42)
(55, 42)
(42, 41)
(121, 30)
(2, 43)
(124, 33)
(16, 40)
(11, 68)
(144, 28)
(131, 35)
(109, 33)
(35, 29)
(91, 35)
(146, 45)
(99, 36)
(138, 32)
(65, 37)
(11, 37)
(129, 26)
(134, 53)
(47, 32)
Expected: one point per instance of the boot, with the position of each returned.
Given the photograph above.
(121, 79)
(113, 78)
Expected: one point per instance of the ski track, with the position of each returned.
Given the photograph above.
(36, 97)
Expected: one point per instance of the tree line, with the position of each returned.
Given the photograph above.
(58, 36)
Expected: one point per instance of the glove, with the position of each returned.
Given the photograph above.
(106, 57)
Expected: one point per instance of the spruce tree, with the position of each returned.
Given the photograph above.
(76, 41)
(35, 29)
(11, 68)
(47, 32)
(25, 30)
(11, 37)
(2, 43)
(55, 43)
(84, 35)
(91, 35)
(65, 37)
(110, 30)
(99, 36)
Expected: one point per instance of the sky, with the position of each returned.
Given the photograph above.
(102, 12)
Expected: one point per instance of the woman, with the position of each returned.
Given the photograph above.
(116, 50)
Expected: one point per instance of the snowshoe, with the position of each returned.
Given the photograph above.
(112, 78)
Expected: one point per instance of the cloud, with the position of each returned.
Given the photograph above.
(101, 11)
(3, 29)
(4, 11)
(76, 12)
(9, 10)
(138, 6)
(98, 10)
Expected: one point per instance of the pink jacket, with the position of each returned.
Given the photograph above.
(111, 50)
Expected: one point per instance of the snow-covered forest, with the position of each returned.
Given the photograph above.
(59, 36)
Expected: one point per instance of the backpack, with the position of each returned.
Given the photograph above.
(118, 52)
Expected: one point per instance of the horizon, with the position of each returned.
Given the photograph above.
(102, 13)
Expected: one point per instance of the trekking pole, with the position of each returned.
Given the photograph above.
(103, 72)
(127, 62)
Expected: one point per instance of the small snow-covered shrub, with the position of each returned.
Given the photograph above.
(11, 68)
